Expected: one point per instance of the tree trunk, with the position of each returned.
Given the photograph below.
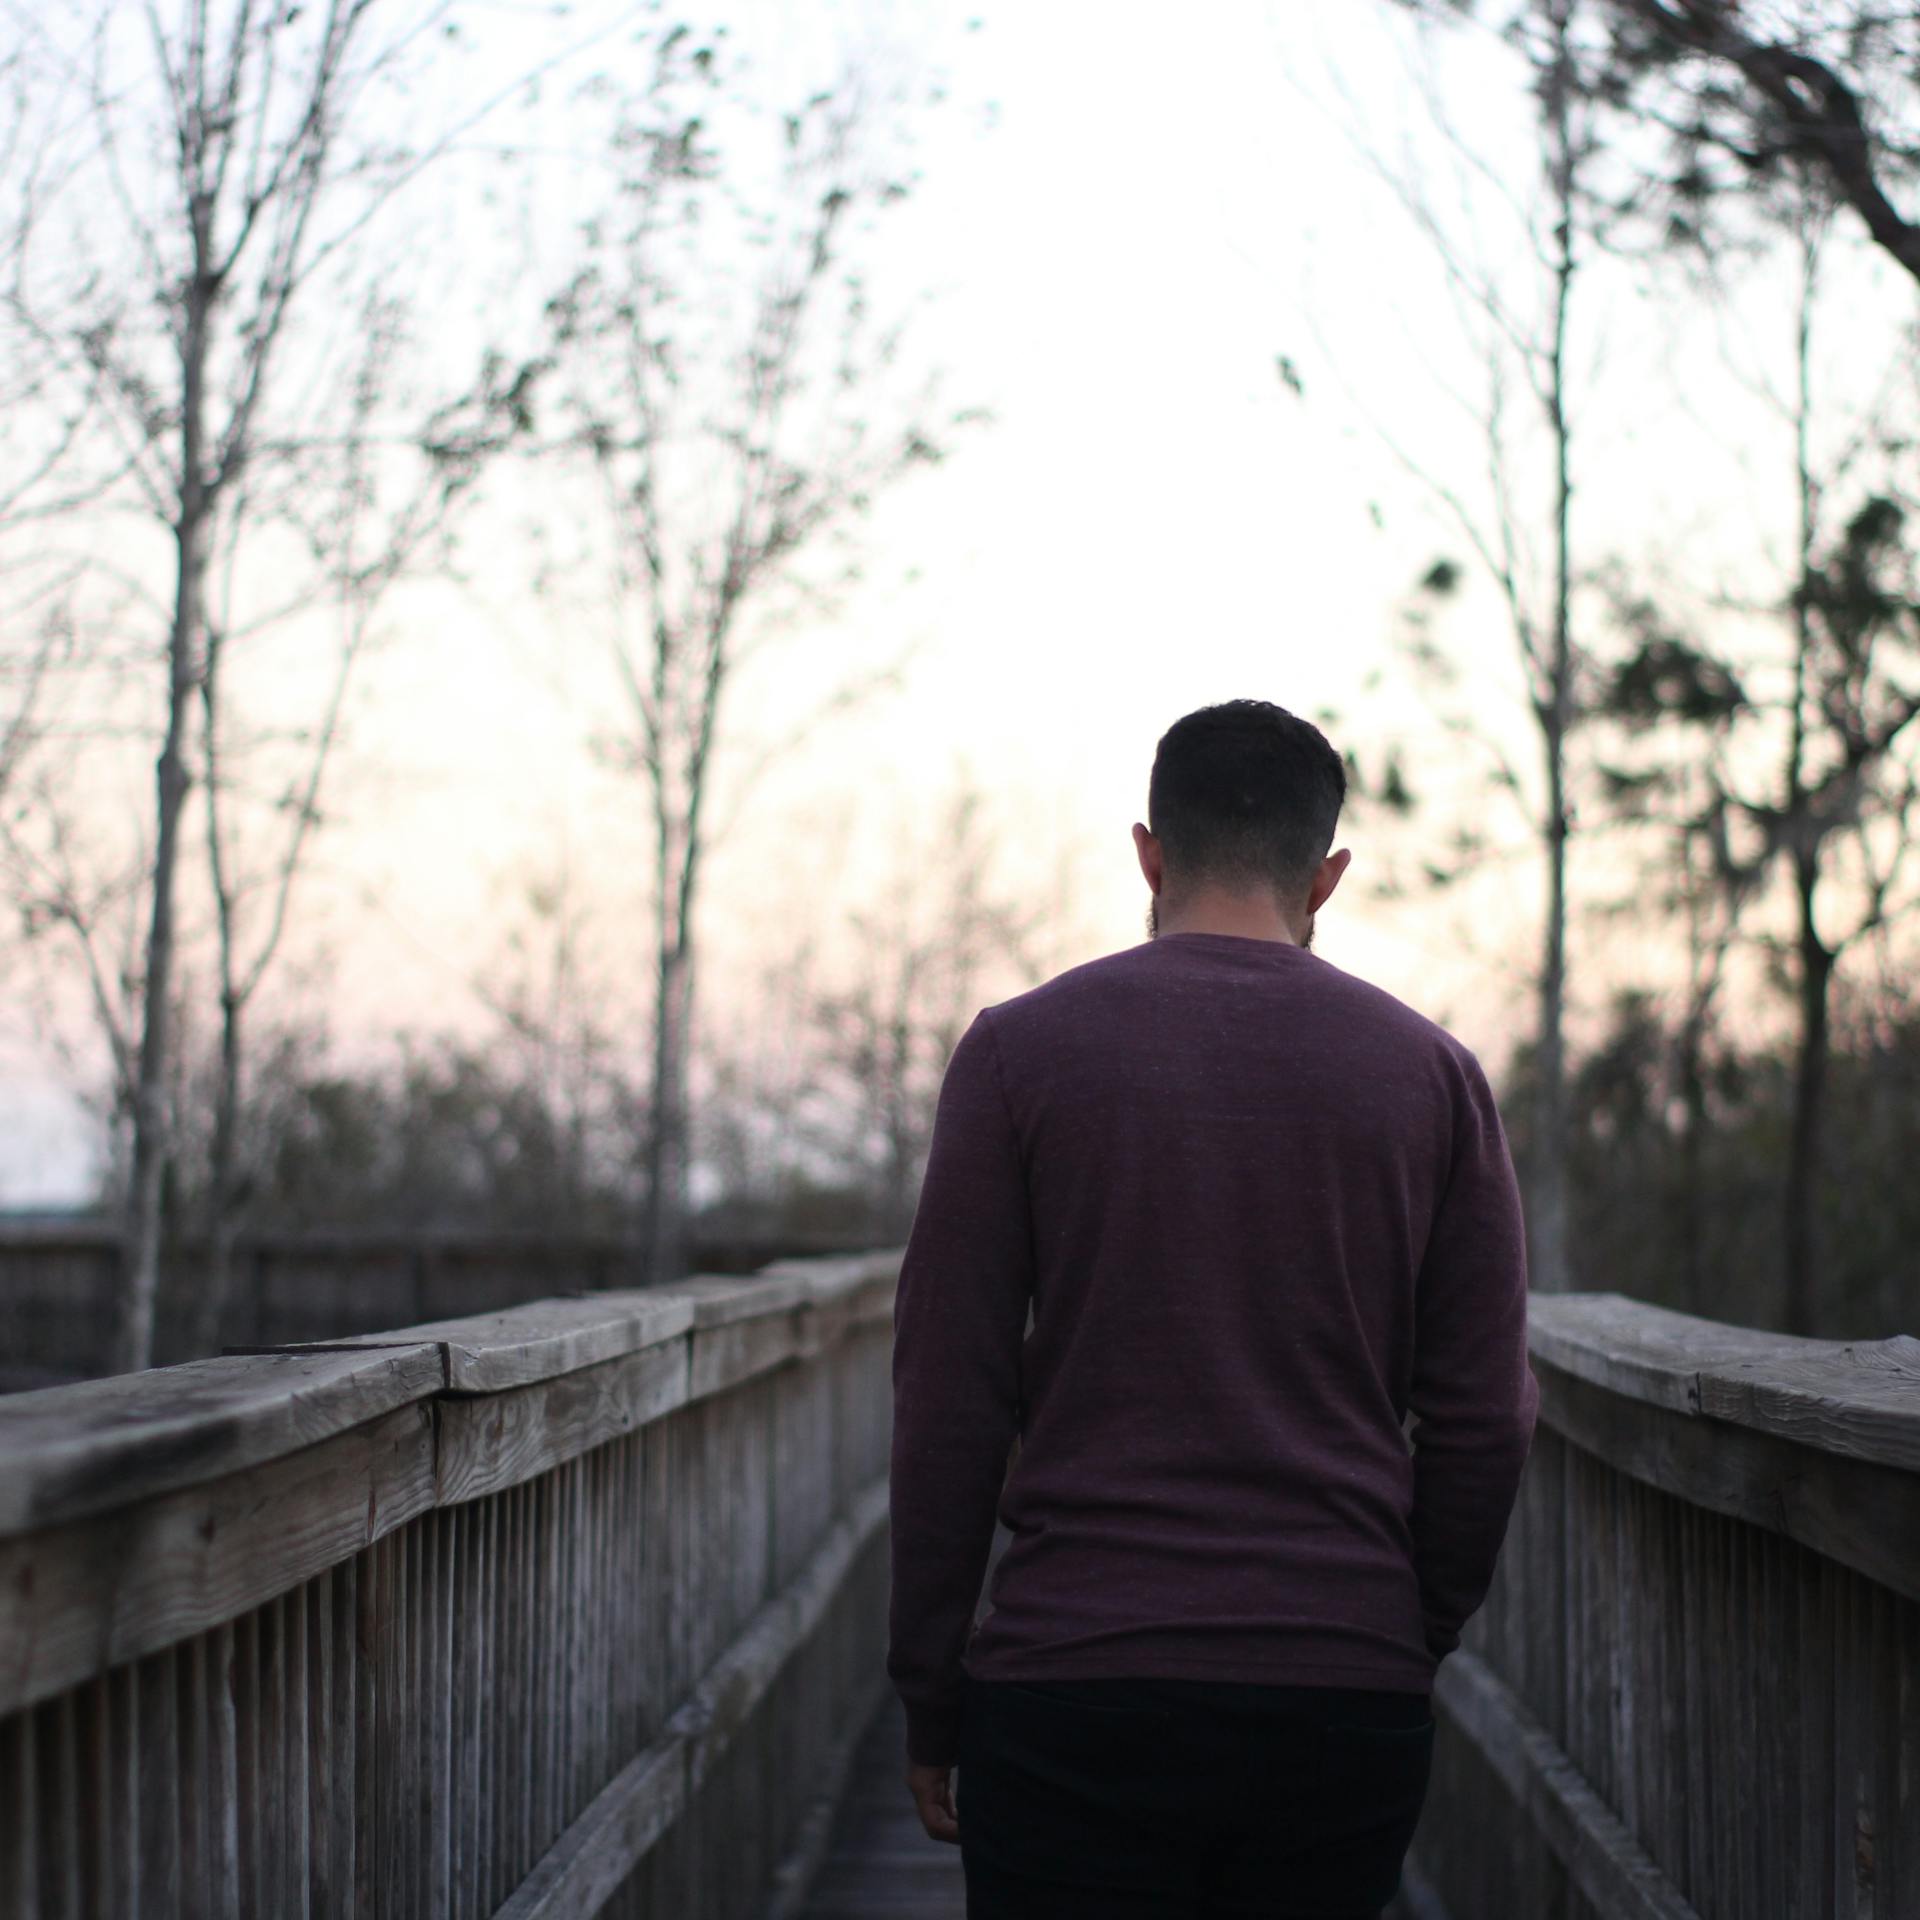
(667, 1155)
(1549, 1171)
(152, 1119)
(1802, 1276)
(222, 1211)
(1816, 962)
(1693, 1094)
(1549, 1210)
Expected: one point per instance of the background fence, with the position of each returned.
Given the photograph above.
(59, 1282)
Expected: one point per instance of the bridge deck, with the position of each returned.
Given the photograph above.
(879, 1860)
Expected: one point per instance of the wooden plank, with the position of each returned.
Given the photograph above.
(502, 1439)
(733, 1352)
(863, 1280)
(1610, 1868)
(800, 1865)
(1859, 1398)
(586, 1866)
(77, 1598)
(439, 1779)
(880, 1861)
(67, 1452)
(1645, 1352)
(487, 1352)
(300, 1768)
(1862, 1514)
(233, 1696)
(1862, 1400)
(156, 1710)
(719, 1300)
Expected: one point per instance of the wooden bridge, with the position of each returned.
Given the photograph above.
(579, 1608)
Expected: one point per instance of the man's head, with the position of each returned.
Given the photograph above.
(1241, 810)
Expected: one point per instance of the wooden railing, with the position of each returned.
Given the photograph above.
(1695, 1687)
(565, 1610)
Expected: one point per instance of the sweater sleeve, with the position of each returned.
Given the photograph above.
(1473, 1393)
(959, 1320)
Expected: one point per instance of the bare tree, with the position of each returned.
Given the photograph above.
(358, 542)
(1523, 536)
(240, 156)
(732, 395)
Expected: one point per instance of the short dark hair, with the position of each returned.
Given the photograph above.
(1245, 793)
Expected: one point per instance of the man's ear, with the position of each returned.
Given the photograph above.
(1152, 867)
(1326, 878)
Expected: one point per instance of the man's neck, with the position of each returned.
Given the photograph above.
(1226, 913)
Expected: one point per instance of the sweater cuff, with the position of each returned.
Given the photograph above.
(933, 1735)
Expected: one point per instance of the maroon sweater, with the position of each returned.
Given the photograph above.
(1259, 1210)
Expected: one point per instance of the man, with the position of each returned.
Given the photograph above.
(1258, 1211)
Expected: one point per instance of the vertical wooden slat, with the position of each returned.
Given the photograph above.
(249, 1825)
(322, 1754)
(265, 1675)
(1900, 1747)
(540, 1649)
(404, 1878)
(438, 1777)
(223, 1786)
(20, 1816)
(295, 1739)
(487, 1719)
(196, 1881)
(500, 1702)
(120, 1793)
(458, 1682)
(371, 1758)
(521, 1656)
(343, 1775)
(156, 1712)
(61, 1836)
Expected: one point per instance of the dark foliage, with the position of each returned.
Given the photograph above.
(1690, 1219)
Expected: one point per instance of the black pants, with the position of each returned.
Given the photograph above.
(1177, 1800)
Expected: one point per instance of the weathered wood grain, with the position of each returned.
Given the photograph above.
(488, 1352)
(1859, 1513)
(81, 1597)
(66, 1452)
(394, 1666)
(1862, 1400)
(1611, 1869)
(500, 1439)
(580, 1872)
(1859, 1398)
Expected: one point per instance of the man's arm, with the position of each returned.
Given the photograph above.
(959, 1318)
(1473, 1392)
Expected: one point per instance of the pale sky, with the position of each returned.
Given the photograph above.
(1128, 212)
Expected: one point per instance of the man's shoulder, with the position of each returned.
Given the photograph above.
(1110, 970)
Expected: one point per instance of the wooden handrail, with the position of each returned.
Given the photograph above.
(1691, 1688)
(461, 1617)
(1854, 1397)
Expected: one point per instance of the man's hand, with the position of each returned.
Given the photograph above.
(932, 1790)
